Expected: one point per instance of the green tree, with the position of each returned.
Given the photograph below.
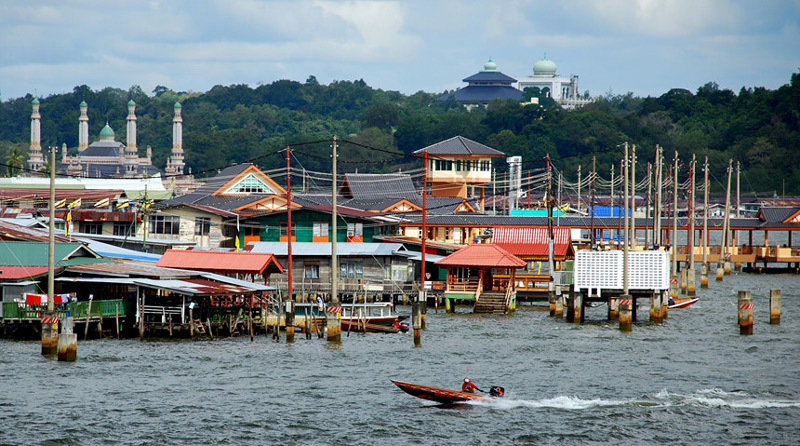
(15, 160)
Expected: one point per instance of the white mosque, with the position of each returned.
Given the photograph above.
(563, 90)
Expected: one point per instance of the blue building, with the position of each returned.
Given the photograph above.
(486, 85)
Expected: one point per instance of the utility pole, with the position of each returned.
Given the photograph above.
(611, 239)
(290, 291)
(690, 273)
(50, 328)
(592, 200)
(417, 309)
(658, 199)
(579, 188)
(625, 201)
(647, 206)
(335, 232)
(633, 196)
(674, 238)
(704, 239)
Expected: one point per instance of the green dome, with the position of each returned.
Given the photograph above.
(490, 66)
(131, 103)
(107, 132)
(35, 101)
(83, 104)
(177, 105)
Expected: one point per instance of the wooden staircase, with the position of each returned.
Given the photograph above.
(491, 302)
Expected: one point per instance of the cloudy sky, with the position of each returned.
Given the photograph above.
(642, 46)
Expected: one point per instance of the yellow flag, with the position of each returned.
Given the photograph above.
(237, 242)
(101, 203)
(68, 222)
(122, 204)
(60, 203)
(75, 204)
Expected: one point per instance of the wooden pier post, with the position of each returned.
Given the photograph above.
(704, 275)
(334, 327)
(571, 306)
(691, 281)
(775, 307)
(89, 317)
(116, 318)
(416, 322)
(559, 306)
(551, 298)
(745, 313)
(625, 312)
(290, 321)
(423, 311)
(191, 320)
(613, 308)
(578, 302)
(67, 341)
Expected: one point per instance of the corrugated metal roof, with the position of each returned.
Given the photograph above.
(319, 249)
(490, 76)
(221, 262)
(482, 255)
(22, 272)
(127, 269)
(459, 146)
(532, 241)
(36, 253)
(376, 186)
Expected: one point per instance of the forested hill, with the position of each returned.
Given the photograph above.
(758, 127)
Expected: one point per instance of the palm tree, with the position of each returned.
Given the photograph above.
(14, 161)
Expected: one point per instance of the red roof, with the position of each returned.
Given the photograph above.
(532, 241)
(219, 262)
(482, 255)
(21, 272)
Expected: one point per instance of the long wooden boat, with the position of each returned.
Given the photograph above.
(445, 396)
(683, 302)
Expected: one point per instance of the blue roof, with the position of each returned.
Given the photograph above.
(490, 76)
(483, 94)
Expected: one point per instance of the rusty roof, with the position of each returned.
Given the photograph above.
(532, 242)
(220, 262)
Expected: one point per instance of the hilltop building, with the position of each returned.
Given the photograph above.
(484, 86)
(563, 90)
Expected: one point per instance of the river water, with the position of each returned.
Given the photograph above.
(691, 380)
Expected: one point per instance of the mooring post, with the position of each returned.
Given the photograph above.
(416, 322)
(67, 341)
(613, 308)
(625, 312)
(334, 327)
(88, 317)
(656, 313)
(775, 307)
(704, 275)
(664, 305)
(290, 321)
(551, 298)
(578, 302)
(745, 313)
(191, 320)
(559, 306)
(691, 280)
(720, 271)
(116, 318)
(684, 280)
(423, 311)
(571, 306)
(673, 286)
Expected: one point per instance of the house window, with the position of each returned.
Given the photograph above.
(442, 165)
(320, 232)
(164, 224)
(250, 184)
(355, 232)
(351, 270)
(486, 165)
(90, 227)
(459, 165)
(284, 226)
(123, 229)
(202, 225)
(311, 270)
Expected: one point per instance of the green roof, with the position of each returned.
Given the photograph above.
(177, 105)
(35, 101)
(107, 132)
(131, 103)
(36, 253)
(83, 104)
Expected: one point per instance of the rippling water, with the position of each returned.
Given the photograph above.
(690, 380)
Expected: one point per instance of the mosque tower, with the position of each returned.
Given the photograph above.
(83, 128)
(35, 159)
(175, 162)
(131, 151)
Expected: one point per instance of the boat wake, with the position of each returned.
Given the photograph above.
(664, 398)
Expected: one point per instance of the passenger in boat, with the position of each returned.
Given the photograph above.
(469, 387)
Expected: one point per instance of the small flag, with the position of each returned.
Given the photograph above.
(237, 242)
(75, 204)
(60, 203)
(103, 202)
(122, 204)
(171, 183)
(69, 222)
(147, 204)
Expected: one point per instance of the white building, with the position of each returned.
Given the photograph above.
(563, 90)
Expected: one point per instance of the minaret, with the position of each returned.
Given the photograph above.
(35, 160)
(131, 151)
(175, 163)
(83, 128)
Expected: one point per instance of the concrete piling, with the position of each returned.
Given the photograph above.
(571, 307)
(673, 286)
(745, 313)
(613, 308)
(684, 280)
(726, 268)
(720, 272)
(704, 275)
(334, 327)
(625, 312)
(656, 312)
(559, 307)
(49, 334)
(578, 302)
(691, 280)
(775, 307)
(67, 341)
(290, 322)
(551, 298)
(664, 306)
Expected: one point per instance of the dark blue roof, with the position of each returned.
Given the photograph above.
(490, 76)
(483, 94)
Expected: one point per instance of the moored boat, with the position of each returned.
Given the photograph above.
(446, 396)
(682, 302)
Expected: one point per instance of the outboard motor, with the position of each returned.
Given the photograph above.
(496, 391)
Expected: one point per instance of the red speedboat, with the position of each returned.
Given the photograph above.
(446, 396)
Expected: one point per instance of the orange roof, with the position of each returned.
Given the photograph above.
(219, 262)
(482, 255)
(22, 272)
